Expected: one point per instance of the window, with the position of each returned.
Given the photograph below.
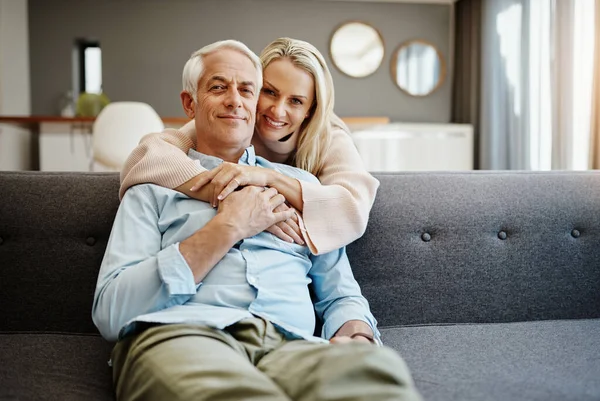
(89, 66)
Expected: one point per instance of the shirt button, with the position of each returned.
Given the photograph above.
(252, 280)
(245, 250)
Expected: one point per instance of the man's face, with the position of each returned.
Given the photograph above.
(225, 111)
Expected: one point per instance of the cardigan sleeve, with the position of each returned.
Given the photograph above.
(336, 212)
(161, 159)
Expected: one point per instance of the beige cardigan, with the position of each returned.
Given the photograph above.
(335, 212)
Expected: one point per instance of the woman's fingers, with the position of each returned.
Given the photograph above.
(203, 179)
(278, 232)
(292, 230)
(231, 186)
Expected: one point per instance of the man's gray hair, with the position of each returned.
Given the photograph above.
(192, 71)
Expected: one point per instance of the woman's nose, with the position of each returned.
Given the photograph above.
(278, 109)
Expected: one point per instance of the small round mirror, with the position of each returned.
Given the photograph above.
(356, 49)
(418, 68)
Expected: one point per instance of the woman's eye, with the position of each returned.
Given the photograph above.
(268, 92)
(297, 102)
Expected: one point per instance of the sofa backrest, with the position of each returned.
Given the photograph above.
(439, 248)
(482, 247)
(53, 228)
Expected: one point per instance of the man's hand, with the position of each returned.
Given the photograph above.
(252, 210)
(348, 333)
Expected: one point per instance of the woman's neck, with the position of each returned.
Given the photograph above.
(261, 150)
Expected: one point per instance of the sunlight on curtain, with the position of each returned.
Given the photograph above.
(540, 97)
(537, 70)
(583, 62)
(508, 27)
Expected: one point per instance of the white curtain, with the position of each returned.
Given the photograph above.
(537, 63)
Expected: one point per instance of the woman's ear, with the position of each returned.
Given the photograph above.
(189, 106)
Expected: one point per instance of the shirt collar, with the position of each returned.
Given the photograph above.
(210, 162)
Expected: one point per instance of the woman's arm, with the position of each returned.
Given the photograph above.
(162, 159)
(336, 212)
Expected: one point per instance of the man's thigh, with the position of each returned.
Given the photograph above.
(308, 371)
(186, 362)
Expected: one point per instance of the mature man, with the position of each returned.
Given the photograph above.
(207, 306)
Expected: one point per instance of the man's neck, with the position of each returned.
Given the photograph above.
(231, 155)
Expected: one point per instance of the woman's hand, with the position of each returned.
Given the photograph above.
(227, 177)
(287, 230)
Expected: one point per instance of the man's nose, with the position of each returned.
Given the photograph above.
(233, 99)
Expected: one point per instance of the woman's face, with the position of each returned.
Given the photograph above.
(285, 101)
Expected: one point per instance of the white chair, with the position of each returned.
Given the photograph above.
(117, 131)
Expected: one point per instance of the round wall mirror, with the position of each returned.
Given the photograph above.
(356, 49)
(418, 68)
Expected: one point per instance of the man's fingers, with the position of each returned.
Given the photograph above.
(341, 340)
(282, 216)
(277, 200)
(270, 193)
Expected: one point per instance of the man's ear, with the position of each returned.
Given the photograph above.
(189, 106)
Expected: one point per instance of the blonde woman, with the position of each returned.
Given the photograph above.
(295, 125)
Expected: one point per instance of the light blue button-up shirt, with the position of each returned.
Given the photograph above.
(144, 277)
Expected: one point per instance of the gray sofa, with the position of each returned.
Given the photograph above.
(488, 284)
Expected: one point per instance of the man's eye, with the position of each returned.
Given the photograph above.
(217, 87)
(248, 91)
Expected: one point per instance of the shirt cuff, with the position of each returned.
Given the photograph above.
(333, 324)
(175, 272)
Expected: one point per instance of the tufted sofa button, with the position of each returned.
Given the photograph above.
(426, 237)
(90, 241)
(502, 235)
(575, 233)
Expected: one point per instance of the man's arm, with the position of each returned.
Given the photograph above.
(340, 304)
(242, 214)
(138, 277)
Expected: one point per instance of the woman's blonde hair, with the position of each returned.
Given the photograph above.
(315, 132)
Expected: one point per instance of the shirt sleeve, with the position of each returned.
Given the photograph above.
(338, 296)
(137, 277)
(336, 211)
(161, 159)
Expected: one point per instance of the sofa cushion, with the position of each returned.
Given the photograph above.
(54, 367)
(529, 361)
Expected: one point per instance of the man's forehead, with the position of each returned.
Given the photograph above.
(228, 64)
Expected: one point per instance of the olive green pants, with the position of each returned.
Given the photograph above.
(251, 360)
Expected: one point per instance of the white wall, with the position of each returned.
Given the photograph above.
(14, 84)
